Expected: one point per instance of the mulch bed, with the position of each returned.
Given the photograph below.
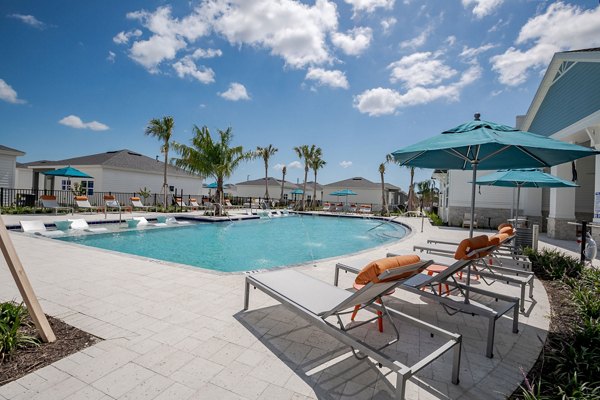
(69, 340)
(563, 318)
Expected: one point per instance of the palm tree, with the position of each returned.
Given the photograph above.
(266, 153)
(384, 205)
(212, 158)
(162, 129)
(284, 171)
(305, 153)
(411, 190)
(316, 163)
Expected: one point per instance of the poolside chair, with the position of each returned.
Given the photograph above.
(297, 291)
(81, 224)
(339, 207)
(136, 203)
(111, 203)
(83, 203)
(180, 203)
(327, 207)
(364, 209)
(173, 221)
(38, 228)
(194, 204)
(467, 220)
(459, 300)
(353, 208)
(49, 201)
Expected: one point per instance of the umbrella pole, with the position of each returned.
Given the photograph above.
(517, 210)
(474, 165)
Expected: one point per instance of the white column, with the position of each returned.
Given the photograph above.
(562, 206)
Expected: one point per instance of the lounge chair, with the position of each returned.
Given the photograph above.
(111, 203)
(459, 300)
(327, 207)
(339, 207)
(173, 221)
(38, 228)
(364, 209)
(297, 292)
(180, 203)
(49, 201)
(353, 208)
(83, 203)
(81, 224)
(136, 203)
(194, 204)
(467, 220)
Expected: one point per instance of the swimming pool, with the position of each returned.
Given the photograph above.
(250, 245)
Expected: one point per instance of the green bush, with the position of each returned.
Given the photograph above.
(12, 337)
(435, 219)
(553, 264)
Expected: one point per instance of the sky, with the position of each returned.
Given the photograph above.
(358, 78)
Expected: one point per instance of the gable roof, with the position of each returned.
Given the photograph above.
(126, 159)
(359, 182)
(272, 182)
(568, 93)
(11, 151)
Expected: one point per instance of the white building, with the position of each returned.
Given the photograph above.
(566, 107)
(8, 166)
(367, 192)
(121, 171)
(256, 189)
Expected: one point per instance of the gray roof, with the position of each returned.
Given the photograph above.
(6, 149)
(272, 182)
(359, 182)
(118, 158)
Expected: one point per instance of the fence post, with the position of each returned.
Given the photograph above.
(1, 197)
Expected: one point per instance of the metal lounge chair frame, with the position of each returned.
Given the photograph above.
(50, 202)
(296, 291)
(494, 273)
(451, 303)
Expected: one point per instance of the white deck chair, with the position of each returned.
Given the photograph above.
(173, 221)
(467, 220)
(81, 224)
(459, 302)
(83, 203)
(49, 201)
(38, 228)
(136, 202)
(297, 291)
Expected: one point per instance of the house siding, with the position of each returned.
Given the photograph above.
(115, 180)
(573, 97)
(7, 170)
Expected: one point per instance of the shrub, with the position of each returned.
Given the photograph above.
(553, 264)
(435, 219)
(11, 333)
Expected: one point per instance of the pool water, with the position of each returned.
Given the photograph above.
(250, 245)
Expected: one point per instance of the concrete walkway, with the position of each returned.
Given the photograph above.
(177, 332)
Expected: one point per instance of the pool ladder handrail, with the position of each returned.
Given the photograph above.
(385, 221)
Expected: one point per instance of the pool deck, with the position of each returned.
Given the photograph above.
(175, 332)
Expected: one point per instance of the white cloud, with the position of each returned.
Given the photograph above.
(384, 101)
(29, 20)
(370, 5)
(472, 52)
(278, 167)
(387, 24)
(420, 69)
(499, 25)
(123, 37)
(186, 66)
(8, 94)
(296, 165)
(417, 41)
(562, 27)
(74, 121)
(450, 40)
(236, 92)
(290, 29)
(207, 53)
(482, 7)
(111, 56)
(345, 164)
(153, 51)
(354, 41)
(334, 79)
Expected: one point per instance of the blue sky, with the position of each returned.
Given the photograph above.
(359, 78)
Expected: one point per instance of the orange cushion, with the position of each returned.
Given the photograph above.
(504, 225)
(81, 198)
(47, 197)
(468, 245)
(371, 271)
(134, 198)
(494, 240)
(108, 197)
(193, 200)
(508, 230)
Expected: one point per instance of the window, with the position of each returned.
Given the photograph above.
(65, 184)
(88, 186)
(285, 196)
(308, 198)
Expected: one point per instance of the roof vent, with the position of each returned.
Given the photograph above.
(477, 117)
(112, 152)
(357, 179)
(134, 154)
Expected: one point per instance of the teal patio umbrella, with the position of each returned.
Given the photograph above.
(69, 172)
(487, 145)
(344, 192)
(212, 185)
(528, 178)
(296, 192)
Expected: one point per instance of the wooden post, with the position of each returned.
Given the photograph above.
(20, 277)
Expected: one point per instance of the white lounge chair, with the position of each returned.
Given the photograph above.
(297, 292)
(38, 228)
(49, 201)
(173, 221)
(327, 207)
(83, 203)
(81, 224)
(136, 202)
(364, 209)
(467, 220)
(194, 204)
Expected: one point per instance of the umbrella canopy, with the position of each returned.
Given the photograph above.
(297, 191)
(68, 172)
(487, 145)
(212, 185)
(531, 178)
(345, 192)
(524, 178)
